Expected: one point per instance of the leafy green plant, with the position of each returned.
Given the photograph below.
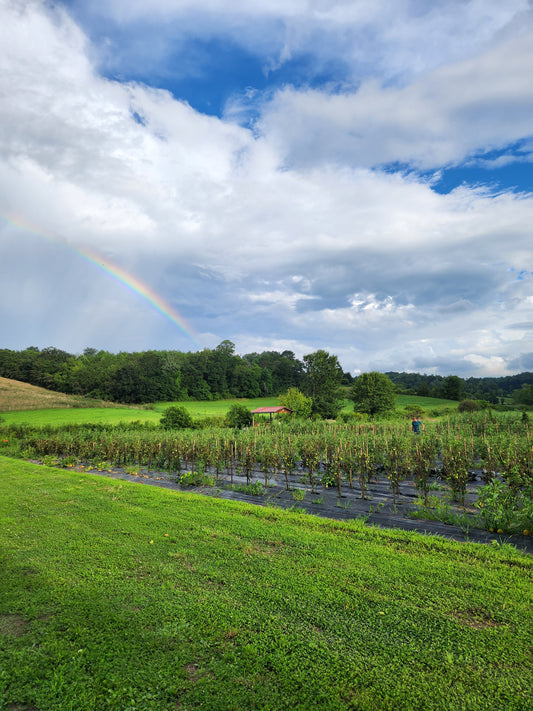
(503, 510)
(298, 494)
(238, 416)
(50, 460)
(443, 512)
(69, 461)
(296, 401)
(456, 459)
(196, 478)
(175, 418)
(254, 489)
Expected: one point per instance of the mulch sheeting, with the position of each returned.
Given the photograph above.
(378, 510)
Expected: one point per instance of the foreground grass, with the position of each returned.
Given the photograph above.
(121, 596)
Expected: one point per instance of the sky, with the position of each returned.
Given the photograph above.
(347, 175)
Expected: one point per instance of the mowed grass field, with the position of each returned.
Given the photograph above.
(120, 596)
(62, 416)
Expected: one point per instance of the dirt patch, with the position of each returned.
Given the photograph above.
(12, 625)
(194, 673)
(475, 619)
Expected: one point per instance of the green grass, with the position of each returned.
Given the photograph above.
(427, 403)
(197, 409)
(60, 416)
(63, 416)
(217, 408)
(121, 596)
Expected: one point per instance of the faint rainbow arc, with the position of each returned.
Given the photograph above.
(121, 275)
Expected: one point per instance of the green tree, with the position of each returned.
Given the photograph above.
(296, 401)
(524, 396)
(452, 387)
(323, 375)
(373, 393)
(176, 418)
(238, 416)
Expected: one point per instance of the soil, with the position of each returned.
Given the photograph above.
(377, 509)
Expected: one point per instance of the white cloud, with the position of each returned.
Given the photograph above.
(390, 39)
(273, 254)
(442, 118)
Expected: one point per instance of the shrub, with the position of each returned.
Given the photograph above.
(209, 422)
(414, 410)
(468, 406)
(176, 418)
(239, 416)
(351, 417)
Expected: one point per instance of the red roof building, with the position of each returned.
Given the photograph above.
(276, 410)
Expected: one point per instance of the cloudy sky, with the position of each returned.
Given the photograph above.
(352, 175)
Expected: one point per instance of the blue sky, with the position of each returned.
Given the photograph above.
(298, 174)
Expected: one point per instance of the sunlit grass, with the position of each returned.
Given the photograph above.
(121, 596)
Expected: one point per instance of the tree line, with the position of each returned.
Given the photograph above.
(220, 373)
(452, 387)
(151, 376)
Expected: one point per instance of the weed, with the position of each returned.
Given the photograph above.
(254, 489)
(196, 478)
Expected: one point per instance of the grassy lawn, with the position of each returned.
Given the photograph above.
(121, 596)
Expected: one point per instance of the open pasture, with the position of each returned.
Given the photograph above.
(119, 596)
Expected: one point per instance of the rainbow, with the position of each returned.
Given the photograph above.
(121, 275)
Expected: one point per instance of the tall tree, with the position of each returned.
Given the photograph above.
(323, 375)
(452, 387)
(373, 393)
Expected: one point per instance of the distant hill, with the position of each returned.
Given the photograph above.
(15, 395)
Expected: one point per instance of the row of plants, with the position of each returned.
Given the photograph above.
(326, 454)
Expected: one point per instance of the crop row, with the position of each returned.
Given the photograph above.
(340, 454)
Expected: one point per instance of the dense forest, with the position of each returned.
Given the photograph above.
(218, 373)
(152, 376)
(452, 387)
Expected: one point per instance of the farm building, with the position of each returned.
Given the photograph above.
(272, 411)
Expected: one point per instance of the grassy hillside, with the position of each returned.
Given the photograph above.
(16, 396)
(120, 596)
